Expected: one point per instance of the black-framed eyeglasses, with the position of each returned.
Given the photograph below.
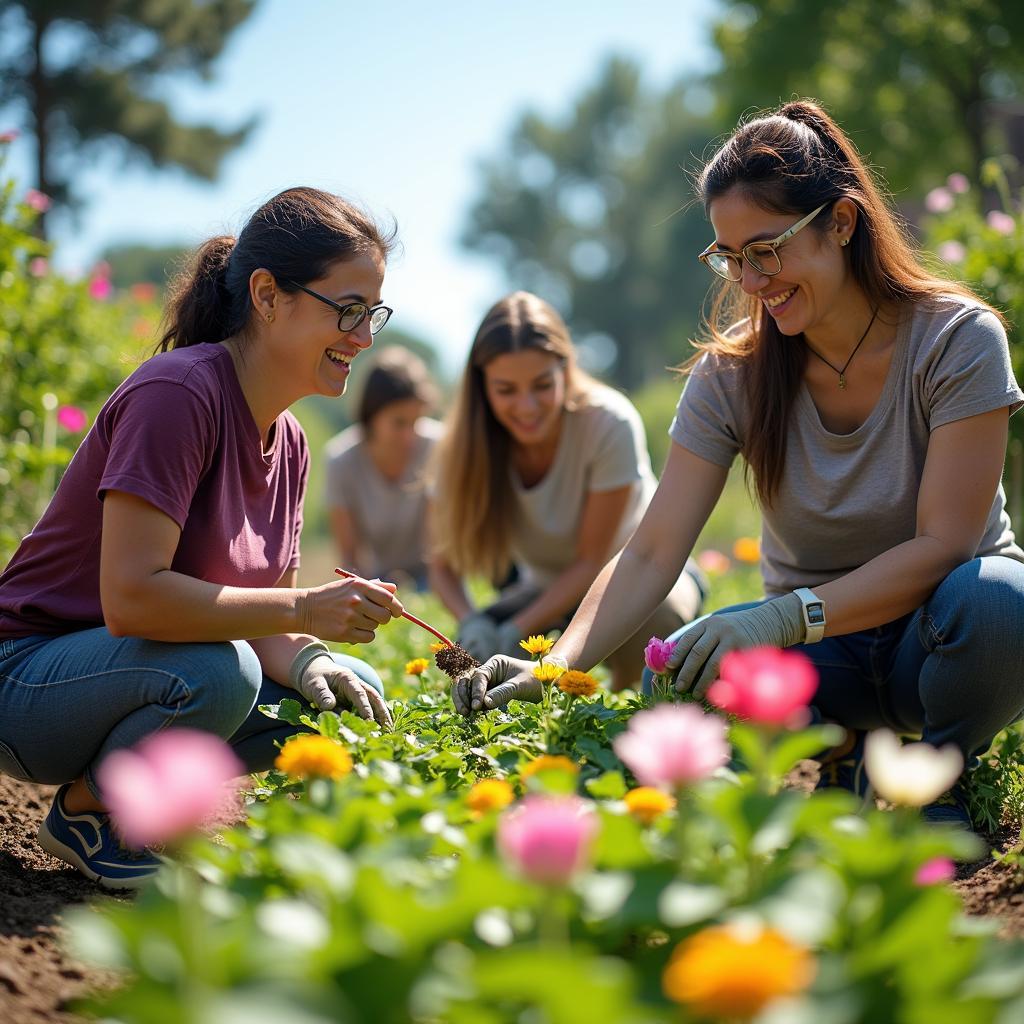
(351, 315)
(762, 256)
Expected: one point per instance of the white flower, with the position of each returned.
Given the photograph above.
(911, 775)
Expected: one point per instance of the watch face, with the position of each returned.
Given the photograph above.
(815, 614)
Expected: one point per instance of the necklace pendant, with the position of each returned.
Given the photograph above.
(842, 382)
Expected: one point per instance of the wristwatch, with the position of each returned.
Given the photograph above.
(814, 615)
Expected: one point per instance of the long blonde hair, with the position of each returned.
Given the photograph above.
(473, 505)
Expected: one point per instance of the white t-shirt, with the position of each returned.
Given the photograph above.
(846, 498)
(602, 447)
(389, 516)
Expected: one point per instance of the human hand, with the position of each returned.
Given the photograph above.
(478, 634)
(495, 683)
(323, 682)
(349, 610)
(700, 648)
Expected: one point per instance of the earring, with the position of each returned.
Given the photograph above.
(844, 241)
(270, 318)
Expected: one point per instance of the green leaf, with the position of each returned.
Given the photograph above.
(608, 786)
(793, 747)
(291, 711)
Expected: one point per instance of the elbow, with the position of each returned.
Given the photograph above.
(122, 611)
(951, 553)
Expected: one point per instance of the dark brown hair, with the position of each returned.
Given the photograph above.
(793, 161)
(396, 376)
(296, 236)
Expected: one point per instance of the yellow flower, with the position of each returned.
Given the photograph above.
(547, 672)
(304, 757)
(579, 684)
(747, 549)
(489, 795)
(437, 646)
(549, 763)
(416, 667)
(537, 645)
(646, 803)
(734, 971)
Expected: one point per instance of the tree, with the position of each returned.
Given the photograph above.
(86, 74)
(927, 86)
(592, 215)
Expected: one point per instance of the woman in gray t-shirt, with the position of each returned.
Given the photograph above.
(545, 469)
(870, 401)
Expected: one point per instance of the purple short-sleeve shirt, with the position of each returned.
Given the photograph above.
(179, 434)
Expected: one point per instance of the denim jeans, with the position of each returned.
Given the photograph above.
(950, 672)
(68, 701)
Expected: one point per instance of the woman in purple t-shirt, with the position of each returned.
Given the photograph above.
(159, 587)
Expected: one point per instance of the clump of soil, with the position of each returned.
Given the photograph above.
(455, 661)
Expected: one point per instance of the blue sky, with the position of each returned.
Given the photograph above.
(392, 104)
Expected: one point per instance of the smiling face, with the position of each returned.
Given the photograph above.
(308, 328)
(526, 392)
(811, 292)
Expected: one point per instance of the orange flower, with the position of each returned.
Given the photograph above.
(547, 672)
(549, 763)
(646, 803)
(489, 795)
(734, 971)
(416, 667)
(747, 549)
(437, 646)
(309, 756)
(579, 684)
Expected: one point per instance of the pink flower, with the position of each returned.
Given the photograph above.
(167, 785)
(656, 654)
(1001, 222)
(8, 136)
(100, 288)
(952, 252)
(673, 745)
(39, 266)
(958, 184)
(71, 418)
(766, 685)
(939, 200)
(37, 200)
(713, 561)
(935, 871)
(548, 839)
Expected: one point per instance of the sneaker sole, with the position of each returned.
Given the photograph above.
(52, 845)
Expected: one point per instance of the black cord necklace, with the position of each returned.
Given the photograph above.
(842, 372)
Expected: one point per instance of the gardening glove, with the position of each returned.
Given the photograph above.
(508, 637)
(478, 634)
(495, 683)
(323, 682)
(701, 647)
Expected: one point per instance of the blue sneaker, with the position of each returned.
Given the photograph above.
(846, 772)
(950, 809)
(87, 842)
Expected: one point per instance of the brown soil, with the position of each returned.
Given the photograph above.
(38, 980)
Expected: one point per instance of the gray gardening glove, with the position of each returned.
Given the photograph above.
(701, 647)
(495, 683)
(323, 682)
(478, 634)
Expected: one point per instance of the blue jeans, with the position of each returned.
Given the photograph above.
(950, 672)
(68, 701)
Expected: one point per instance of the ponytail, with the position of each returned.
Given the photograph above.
(198, 307)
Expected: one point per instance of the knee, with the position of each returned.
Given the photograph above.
(983, 598)
(233, 677)
(362, 669)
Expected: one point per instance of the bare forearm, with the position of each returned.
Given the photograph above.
(889, 586)
(560, 596)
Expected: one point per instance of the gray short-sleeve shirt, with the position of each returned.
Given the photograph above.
(846, 498)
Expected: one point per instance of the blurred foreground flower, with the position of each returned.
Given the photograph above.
(489, 795)
(168, 785)
(549, 763)
(766, 685)
(673, 745)
(311, 756)
(537, 644)
(645, 803)
(935, 872)
(747, 549)
(417, 666)
(72, 419)
(734, 971)
(577, 684)
(548, 839)
(912, 774)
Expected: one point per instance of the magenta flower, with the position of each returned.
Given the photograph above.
(766, 685)
(656, 655)
(167, 785)
(673, 745)
(548, 839)
(72, 419)
(939, 200)
(958, 184)
(952, 252)
(935, 872)
(39, 201)
(39, 266)
(1001, 222)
